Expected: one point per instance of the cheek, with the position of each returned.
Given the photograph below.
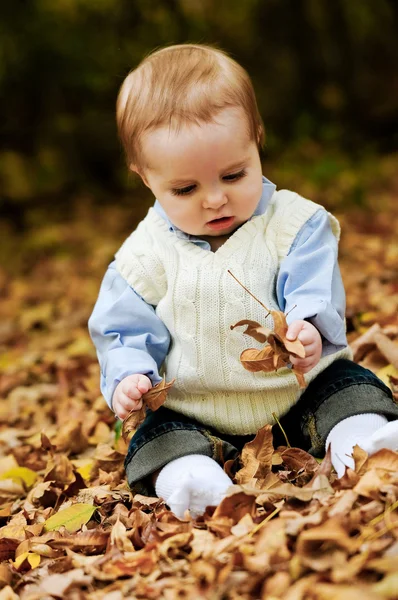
(183, 212)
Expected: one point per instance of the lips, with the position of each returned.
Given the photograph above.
(221, 223)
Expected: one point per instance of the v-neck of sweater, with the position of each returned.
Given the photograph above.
(237, 239)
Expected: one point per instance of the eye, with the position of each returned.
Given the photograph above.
(235, 176)
(185, 191)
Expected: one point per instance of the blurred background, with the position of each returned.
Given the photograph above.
(325, 74)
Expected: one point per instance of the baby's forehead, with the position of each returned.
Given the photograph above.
(211, 148)
(218, 125)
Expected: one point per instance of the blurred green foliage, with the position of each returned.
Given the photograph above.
(325, 75)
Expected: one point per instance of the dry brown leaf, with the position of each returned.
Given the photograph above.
(156, 396)
(328, 591)
(376, 336)
(360, 459)
(256, 457)
(384, 459)
(58, 584)
(60, 469)
(88, 542)
(258, 360)
(70, 437)
(234, 507)
(297, 459)
(369, 484)
(254, 329)
(7, 548)
(317, 541)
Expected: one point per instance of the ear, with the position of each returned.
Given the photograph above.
(140, 172)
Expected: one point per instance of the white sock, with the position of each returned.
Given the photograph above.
(359, 429)
(385, 437)
(192, 482)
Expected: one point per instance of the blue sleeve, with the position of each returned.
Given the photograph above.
(310, 278)
(128, 335)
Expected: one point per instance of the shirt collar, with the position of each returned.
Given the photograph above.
(268, 190)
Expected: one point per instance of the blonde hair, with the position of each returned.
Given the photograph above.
(182, 84)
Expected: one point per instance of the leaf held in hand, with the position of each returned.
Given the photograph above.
(254, 329)
(258, 360)
(132, 421)
(277, 354)
(153, 399)
(156, 396)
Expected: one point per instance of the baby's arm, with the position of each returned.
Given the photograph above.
(130, 340)
(310, 289)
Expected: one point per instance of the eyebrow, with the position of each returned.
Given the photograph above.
(235, 166)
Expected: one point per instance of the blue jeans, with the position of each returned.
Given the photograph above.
(342, 390)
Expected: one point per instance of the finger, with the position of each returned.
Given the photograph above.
(130, 404)
(294, 329)
(122, 413)
(306, 337)
(144, 384)
(301, 362)
(119, 409)
(132, 391)
(310, 350)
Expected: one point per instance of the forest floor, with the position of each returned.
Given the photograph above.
(71, 528)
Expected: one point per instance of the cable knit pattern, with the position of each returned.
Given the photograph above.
(198, 301)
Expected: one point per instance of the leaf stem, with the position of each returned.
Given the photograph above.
(283, 431)
(252, 295)
(293, 307)
(257, 527)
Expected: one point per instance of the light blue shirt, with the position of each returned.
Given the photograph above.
(130, 338)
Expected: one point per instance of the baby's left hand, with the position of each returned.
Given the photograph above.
(310, 337)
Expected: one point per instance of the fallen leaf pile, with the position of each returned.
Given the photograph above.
(70, 527)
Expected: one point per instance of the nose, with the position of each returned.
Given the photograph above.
(215, 199)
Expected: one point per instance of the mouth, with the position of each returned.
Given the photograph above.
(220, 224)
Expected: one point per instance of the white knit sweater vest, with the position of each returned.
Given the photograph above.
(198, 301)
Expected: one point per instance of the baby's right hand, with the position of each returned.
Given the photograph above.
(128, 393)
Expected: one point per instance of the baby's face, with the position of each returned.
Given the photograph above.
(206, 177)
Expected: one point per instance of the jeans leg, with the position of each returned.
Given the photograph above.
(342, 390)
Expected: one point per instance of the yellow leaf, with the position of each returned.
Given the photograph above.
(85, 470)
(19, 560)
(32, 558)
(27, 476)
(71, 518)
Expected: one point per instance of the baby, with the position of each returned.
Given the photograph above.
(190, 126)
